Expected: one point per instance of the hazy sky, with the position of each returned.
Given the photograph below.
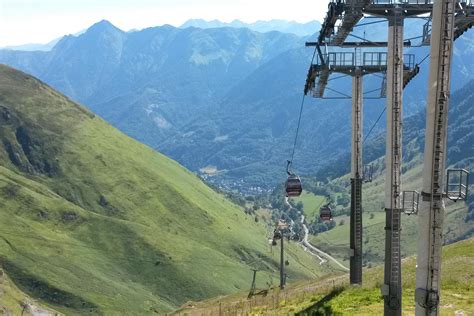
(39, 21)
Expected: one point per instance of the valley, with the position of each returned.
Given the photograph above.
(81, 201)
(203, 98)
(142, 172)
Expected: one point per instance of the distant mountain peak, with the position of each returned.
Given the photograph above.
(283, 26)
(102, 26)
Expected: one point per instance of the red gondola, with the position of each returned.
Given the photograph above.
(293, 186)
(325, 213)
(293, 183)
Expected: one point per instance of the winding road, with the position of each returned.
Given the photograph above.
(307, 246)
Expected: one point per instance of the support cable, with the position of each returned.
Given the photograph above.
(338, 77)
(373, 126)
(380, 116)
(365, 40)
(369, 23)
(424, 58)
(338, 92)
(301, 112)
(371, 91)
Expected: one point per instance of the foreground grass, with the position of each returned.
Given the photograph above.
(334, 296)
(457, 287)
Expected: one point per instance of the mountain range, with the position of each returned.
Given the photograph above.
(82, 201)
(224, 102)
(283, 26)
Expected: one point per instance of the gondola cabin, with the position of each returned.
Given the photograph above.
(277, 235)
(293, 186)
(325, 213)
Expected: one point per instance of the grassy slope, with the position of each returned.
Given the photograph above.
(457, 292)
(311, 204)
(336, 241)
(334, 295)
(93, 222)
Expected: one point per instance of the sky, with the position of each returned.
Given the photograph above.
(40, 21)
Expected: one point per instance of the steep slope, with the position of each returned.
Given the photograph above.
(15, 302)
(334, 295)
(91, 221)
(157, 78)
(456, 293)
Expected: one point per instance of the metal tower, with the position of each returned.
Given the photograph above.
(356, 65)
(391, 290)
(447, 25)
(341, 18)
(355, 274)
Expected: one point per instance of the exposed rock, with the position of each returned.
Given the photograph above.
(69, 217)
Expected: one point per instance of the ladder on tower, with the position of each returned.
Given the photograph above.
(358, 217)
(392, 273)
(396, 160)
(439, 158)
(396, 255)
(356, 238)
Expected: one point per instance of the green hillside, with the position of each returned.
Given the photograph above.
(334, 295)
(457, 289)
(93, 222)
(336, 241)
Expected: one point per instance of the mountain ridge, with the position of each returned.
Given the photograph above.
(192, 93)
(284, 26)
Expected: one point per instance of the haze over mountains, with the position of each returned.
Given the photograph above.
(283, 26)
(222, 98)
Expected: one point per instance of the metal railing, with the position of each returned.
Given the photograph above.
(378, 59)
(409, 61)
(388, 2)
(374, 59)
(457, 184)
(341, 59)
(410, 202)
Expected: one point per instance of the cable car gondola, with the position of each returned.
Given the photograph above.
(293, 183)
(325, 213)
(277, 234)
